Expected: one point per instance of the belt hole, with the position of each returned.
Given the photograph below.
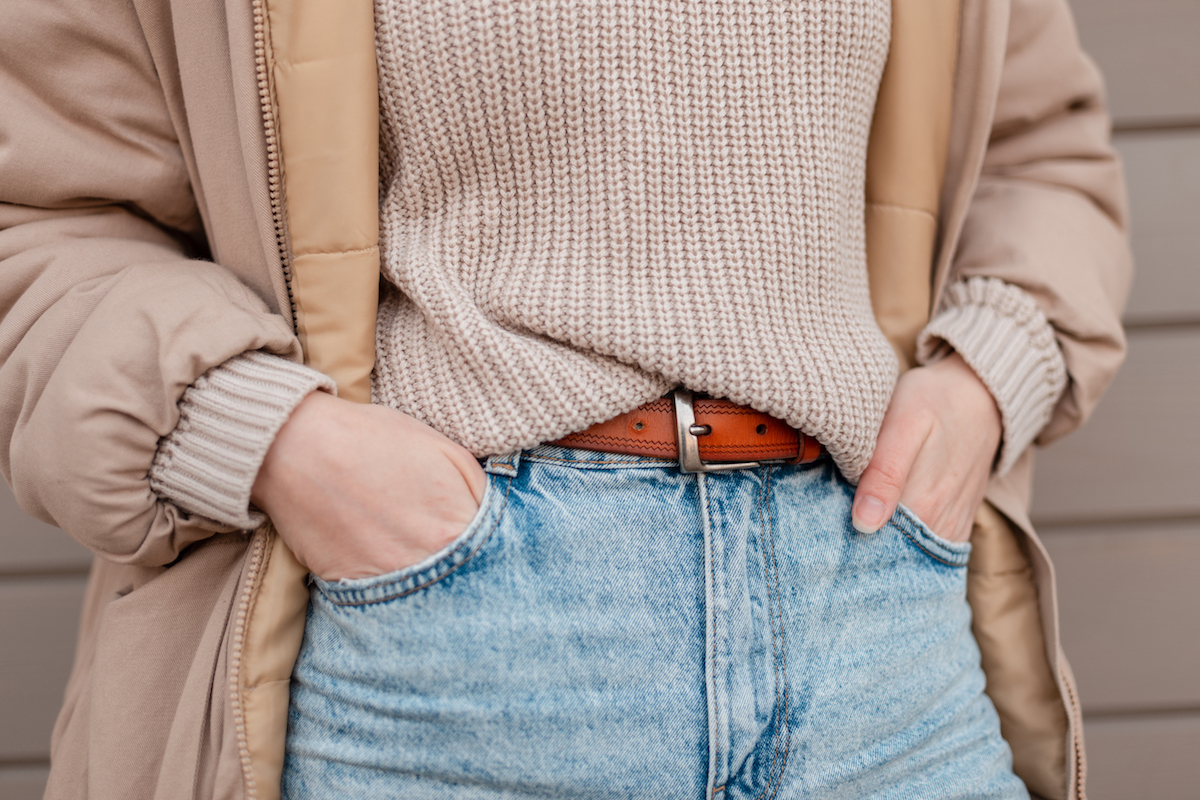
(762, 430)
(638, 425)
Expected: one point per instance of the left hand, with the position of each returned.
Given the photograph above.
(935, 451)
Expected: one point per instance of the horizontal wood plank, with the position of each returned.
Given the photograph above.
(1129, 605)
(1139, 456)
(23, 783)
(1148, 52)
(27, 545)
(1163, 170)
(38, 623)
(1143, 757)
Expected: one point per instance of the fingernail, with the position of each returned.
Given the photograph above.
(868, 515)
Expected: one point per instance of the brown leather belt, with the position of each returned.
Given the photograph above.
(704, 434)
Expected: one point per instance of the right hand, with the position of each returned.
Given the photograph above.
(359, 490)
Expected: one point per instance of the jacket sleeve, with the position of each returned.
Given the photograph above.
(1049, 214)
(106, 313)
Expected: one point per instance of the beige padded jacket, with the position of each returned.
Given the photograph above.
(185, 180)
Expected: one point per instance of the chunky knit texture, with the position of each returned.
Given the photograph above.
(585, 204)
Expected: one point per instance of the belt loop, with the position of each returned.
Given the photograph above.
(504, 464)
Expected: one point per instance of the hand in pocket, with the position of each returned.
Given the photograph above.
(935, 451)
(360, 490)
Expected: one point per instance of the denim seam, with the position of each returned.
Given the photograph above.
(922, 528)
(920, 546)
(927, 551)
(482, 540)
(779, 645)
(713, 652)
(767, 570)
(924, 548)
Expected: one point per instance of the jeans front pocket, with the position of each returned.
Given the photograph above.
(425, 573)
(920, 536)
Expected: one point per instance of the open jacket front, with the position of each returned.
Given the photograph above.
(137, 140)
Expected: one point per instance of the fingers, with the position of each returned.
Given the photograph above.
(879, 489)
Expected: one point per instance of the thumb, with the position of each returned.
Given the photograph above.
(884, 479)
(468, 467)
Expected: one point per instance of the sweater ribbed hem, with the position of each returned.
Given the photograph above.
(1005, 338)
(227, 420)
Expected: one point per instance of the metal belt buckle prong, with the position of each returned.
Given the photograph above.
(687, 437)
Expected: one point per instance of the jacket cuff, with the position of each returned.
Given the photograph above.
(1001, 333)
(228, 418)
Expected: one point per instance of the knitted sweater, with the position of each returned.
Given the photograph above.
(585, 204)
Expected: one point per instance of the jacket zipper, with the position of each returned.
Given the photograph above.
(258, 549)
(261, 539)
(1076, 737)
(274, 171)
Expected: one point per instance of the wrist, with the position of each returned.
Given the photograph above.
(292, 445)
(969, 390)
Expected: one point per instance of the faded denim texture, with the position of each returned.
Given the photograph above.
(610, 627)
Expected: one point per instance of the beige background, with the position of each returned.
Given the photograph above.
(1118, 504)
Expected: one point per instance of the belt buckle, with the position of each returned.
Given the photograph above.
(687, 437)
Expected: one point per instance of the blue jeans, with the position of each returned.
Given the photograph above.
(610, 627)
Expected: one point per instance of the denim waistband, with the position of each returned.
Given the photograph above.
(508, 463)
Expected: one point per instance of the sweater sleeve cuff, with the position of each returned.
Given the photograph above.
(1001, 333)
(227, 420)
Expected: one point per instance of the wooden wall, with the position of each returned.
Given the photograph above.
(42, 575)
(1118, 503)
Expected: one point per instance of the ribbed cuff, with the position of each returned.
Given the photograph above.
(1001, 333)
(227, 420)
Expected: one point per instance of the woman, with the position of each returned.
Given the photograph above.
(580, 209)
